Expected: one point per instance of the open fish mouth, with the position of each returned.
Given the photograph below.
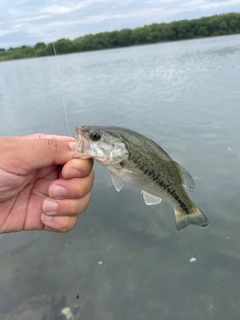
(82, 145)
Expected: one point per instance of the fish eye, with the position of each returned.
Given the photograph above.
(95, 136)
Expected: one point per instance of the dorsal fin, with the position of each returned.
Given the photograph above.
(187, 180)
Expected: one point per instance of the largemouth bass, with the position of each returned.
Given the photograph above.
(139, 161)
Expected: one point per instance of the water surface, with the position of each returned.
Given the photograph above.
(133, 264)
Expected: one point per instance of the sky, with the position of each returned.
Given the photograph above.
(26, 22)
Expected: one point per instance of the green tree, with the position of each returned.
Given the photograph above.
(156, 32)
(27, 52)
(63, 46)
(40, 45)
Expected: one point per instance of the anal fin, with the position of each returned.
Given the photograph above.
(150, 199)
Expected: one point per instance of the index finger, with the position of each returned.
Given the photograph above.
(77, 168)
(47, 136)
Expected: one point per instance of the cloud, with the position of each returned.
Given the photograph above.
(33, 18)
(55, 9)
(28, 22)
(219, 4)
(5, 32)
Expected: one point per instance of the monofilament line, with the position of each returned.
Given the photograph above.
(59, 75)
(78, 283)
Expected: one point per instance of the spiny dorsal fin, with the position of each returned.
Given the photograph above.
(187, 180)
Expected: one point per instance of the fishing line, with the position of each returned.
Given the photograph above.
(59, 74)
(69, 131)
(78, 283)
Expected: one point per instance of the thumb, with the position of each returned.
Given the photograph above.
(26, 155)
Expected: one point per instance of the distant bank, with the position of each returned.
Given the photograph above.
(223, 24)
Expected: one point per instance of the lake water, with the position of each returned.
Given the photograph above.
(125, 258)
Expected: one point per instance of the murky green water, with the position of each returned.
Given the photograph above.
(133, 264)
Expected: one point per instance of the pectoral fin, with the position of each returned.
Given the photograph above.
(117, 182)
(150, 199)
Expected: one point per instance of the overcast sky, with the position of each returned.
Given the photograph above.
(26, 22)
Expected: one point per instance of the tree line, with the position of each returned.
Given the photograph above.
(223, 24)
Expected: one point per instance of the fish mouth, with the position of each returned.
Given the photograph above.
(82, 145)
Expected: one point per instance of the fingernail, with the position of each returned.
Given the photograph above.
(73, 173)
(57, 191)
(46, 218)
(50, 207)
(72, 145)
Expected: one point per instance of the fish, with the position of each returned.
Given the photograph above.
(139, 161)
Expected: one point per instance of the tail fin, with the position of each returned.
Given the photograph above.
(196, 217)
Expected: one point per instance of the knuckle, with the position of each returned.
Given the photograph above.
(92, 176)
(89, 165)
(71, 208)
(88, 199)
(42, 135)
(53, 145)
(65, 225)
(84, 203)
(82, 189)
(86, 184)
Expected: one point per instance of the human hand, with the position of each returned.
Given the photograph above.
(41, 185)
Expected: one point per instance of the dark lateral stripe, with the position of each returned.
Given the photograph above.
(155, 177)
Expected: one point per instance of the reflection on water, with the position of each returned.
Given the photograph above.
(130, 261)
